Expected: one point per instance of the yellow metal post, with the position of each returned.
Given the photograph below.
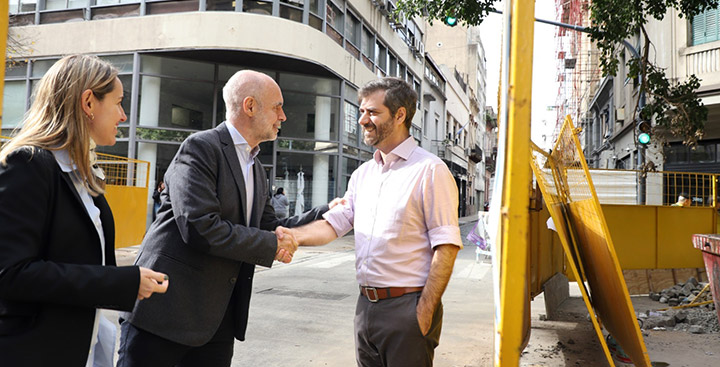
(513, 327)
(4, 21)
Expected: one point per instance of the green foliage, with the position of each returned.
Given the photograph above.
(674, 107)
(467, 12)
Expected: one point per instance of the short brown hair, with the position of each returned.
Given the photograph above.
(398, 93)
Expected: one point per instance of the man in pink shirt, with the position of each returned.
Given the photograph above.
(403, 206)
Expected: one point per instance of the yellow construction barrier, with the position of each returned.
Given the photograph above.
(126, 191)
(568, 190)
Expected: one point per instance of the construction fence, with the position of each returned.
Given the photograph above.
(126, 191)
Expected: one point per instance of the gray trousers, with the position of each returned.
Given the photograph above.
(387, 333)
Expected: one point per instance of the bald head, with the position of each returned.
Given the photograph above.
(244, 84)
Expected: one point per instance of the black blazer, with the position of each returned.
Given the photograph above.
(51, 277)
(201, 241)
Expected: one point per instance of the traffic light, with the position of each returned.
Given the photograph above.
(644, 130)
(450, 21)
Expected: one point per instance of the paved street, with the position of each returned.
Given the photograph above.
(301, 313)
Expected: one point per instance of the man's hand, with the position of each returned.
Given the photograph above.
(286, 244)
(424, 318)
(337, 201)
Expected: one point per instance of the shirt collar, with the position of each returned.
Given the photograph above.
(238, 139)
(403, 150)
(62, 157)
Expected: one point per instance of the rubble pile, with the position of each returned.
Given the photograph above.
(697, 319)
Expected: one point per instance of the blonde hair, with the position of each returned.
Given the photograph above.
(56, 120)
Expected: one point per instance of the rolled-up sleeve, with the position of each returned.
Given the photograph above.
(440, 204)
(342, 217)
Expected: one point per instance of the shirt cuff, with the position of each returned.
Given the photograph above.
(339, 219)
(445, 235)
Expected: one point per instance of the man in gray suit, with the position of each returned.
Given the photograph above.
(212, 228)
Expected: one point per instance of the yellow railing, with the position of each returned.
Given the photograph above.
(660, 188)
(569, 192)
(126, 192)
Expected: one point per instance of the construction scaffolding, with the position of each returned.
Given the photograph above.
(578, 72)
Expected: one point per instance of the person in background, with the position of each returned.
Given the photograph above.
(57, 250)
(156, 198)
(280, 203)
(683, 200)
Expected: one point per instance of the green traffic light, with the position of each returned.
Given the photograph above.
(451, 21)
(644, 138)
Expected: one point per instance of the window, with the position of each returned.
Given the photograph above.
(705, 27)
(352, 29)
(334, 17)
(368, 44)
(381, 56)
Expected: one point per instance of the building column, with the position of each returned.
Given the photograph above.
(148, 116)
(321, 162)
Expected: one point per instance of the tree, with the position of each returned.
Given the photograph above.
(673, 106)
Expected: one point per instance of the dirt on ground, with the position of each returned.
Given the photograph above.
(570, 339)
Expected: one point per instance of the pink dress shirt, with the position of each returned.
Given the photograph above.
(401, 209)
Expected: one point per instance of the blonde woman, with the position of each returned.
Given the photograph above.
(57, 260)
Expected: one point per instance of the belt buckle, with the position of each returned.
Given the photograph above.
(367, 294)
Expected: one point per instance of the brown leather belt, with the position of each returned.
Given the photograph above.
(375, 294)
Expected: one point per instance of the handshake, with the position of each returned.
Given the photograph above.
(287, 244)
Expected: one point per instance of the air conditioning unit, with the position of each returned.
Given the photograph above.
(620, 114)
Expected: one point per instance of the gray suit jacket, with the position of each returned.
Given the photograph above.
(200, 240)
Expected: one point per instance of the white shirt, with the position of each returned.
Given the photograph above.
(246, 157)
(401, 205)
(67, 165)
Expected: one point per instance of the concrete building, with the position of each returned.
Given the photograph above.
(175, 56)
(460, 55)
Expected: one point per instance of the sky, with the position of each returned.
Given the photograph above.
(545, 87)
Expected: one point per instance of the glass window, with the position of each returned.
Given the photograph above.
(315, 6)
(291, 13)
(126, 81)
(676, 154)
(315, 186)
(368, 44)
(702, 153)
(310, 116)
(13, 107)
(175, 103)
(350, 132)
(227, 71)
(298, 3)
(124, 63)
(334, 17)
(351, 94)
(16, 69)
(310, 84)
(55, 4)
(27, 5)
(705, 27)
(257, 7)
(175, 67)
(352, 29)
(381, 56)
(220, 5)
(392, 69)
(40, 67)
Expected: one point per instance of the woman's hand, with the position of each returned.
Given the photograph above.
(151, 282)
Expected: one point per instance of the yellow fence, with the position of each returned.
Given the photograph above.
(127, 193)
(568, 190)
(628, 187)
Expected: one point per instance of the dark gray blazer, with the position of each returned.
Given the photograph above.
(200, 240)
